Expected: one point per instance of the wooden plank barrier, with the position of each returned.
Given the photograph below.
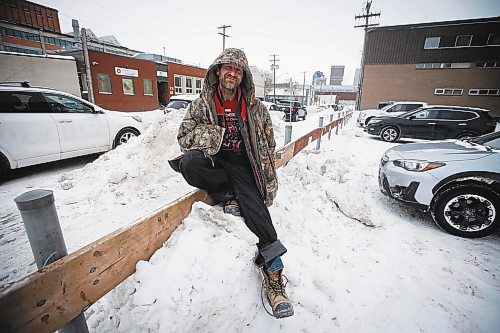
(51, 297)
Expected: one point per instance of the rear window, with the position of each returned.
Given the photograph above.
(22, 102)
(456, 115)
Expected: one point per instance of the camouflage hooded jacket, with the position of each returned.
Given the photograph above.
(200, 130)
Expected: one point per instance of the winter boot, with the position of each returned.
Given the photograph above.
(232, 207)
(276, 295)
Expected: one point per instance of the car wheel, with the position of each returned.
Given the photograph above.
(467, 210)
(124, 135)
(4, 167)
(389, 134)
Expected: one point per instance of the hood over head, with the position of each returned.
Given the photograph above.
(230, 56)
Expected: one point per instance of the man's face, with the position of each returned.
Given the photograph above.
(230, 76)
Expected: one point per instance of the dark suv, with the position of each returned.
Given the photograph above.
(433, 123)
(292, 109)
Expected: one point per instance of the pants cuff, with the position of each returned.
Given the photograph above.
(271, 251)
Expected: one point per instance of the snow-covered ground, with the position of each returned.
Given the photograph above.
(357, 261)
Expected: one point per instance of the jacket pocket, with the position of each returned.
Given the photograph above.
(208, 138)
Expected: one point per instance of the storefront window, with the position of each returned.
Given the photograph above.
(128, 86)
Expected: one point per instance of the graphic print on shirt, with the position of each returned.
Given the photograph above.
(232, 137)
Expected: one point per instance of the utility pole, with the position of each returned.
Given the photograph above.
(274, 67)
(366, 15)
(304, 87)
(223, 33)
(87, 66)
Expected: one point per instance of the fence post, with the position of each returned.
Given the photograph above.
(288, 134)
(318, 143)
(46, 239)
(330, 131)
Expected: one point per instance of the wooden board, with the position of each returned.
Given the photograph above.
(53, 296)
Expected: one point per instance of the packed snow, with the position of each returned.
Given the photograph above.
(357, 261)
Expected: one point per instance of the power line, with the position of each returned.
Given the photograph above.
(223, 33)
(274, 67)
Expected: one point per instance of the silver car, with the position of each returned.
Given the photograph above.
(457, 181)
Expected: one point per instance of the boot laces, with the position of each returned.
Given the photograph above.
(262, 292)
(277, 287)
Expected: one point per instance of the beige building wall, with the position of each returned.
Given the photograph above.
(55, 72)
(406, 83)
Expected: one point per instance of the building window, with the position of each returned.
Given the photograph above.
(128, 86)
(463, 40)
(148, 87)
(448, 91)
(189, 85)
(443, 65)
(432, 42)
(488, 64)
(198, 86)
(104, 83)
(493, 39)
(178, 84)
(484, 92)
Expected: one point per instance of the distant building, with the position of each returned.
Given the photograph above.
(318, 79)
(259, 81)
(451, 63)
(30, 14)
(337, 75)
(335, 94)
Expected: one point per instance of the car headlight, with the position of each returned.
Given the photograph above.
(417, 166)
(374, 121)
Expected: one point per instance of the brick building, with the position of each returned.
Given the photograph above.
(450, 63)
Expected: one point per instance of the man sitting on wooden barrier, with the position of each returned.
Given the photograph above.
(228, 143)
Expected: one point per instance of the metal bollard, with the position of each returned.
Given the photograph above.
(318, 143)
(288, 134)
(330, 131)
(46, 239)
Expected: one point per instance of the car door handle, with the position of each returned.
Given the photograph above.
(65, 121)
(431, 123)
(462, 124)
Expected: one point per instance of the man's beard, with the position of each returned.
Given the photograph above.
(230, 85)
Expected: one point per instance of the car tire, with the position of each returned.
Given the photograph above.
(124, 135)
(457, 210)
(389, 134)
(4, 168)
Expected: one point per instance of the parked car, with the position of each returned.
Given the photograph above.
(457, 181)
(39, 125)
(293, 110)
(393, 109)
(382, 104)
(179, 102)
(433, 122)
(272, 106)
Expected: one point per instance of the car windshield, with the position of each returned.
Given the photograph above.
(177, 104)
(491, 140)
(409, 113)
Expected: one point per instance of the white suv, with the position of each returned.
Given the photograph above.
(391, 110)
(39, 125)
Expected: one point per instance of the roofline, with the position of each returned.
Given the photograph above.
(40, 5)
(437, 24)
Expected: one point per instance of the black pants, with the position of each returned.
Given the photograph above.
(230, 172)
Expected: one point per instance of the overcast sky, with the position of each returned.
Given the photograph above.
(306, 35)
